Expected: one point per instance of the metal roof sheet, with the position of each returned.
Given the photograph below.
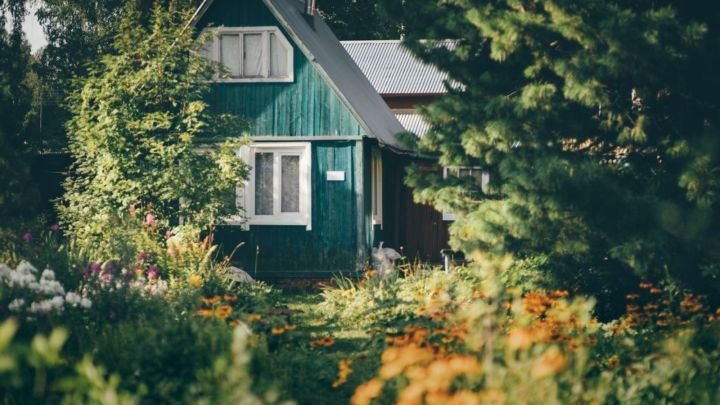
(413, 122)
(393, 69)
(321, 47)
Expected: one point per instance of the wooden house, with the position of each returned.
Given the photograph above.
(326, 182)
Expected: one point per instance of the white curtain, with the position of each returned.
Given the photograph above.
(290, 182)
(278, 57)
(230, 53)
(252, 59)
(264, 183)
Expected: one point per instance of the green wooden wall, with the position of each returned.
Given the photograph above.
(338, 239)
(306, 107)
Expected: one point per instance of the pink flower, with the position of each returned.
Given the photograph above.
(143, 256)
(54, 228)
(149, 219)
(153, 271)
(27, 237)
(106, 277)
(95, 267)
(168, 234)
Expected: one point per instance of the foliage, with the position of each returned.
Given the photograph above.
(359, 20)
(15, 108)
(30, 373)
(464, 338)
(597, 121)
(134, 132)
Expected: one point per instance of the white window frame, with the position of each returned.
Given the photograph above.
(245, 193)
(214, 36)
(376, 193)
(484, 181)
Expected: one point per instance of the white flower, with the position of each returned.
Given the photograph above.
(58, 302)
(48, 274)
(85, 303)
(42, 307)
(5, 271)
(51, 287)
(73, 298)
(16, 304)
(26, 268)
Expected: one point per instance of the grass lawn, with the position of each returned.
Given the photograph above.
(307, 373)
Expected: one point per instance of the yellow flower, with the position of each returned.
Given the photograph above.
(551, 362)
(230, 298)
(344, 371)
(224, 311)
(290, 326)
(367, 392)
(195, 281)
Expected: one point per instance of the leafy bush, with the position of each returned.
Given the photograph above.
(135, 132)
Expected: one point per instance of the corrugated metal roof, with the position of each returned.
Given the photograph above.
(393, 69)
(413, 122)
(320, 46)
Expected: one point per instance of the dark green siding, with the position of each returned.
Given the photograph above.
(306, 107)
(337, 241)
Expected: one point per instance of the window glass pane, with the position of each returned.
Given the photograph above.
(206, 50)
(278, 57)
(290, 184)
(230, 53)
(478, 176)
(464, 172)
(252, 58)
(264, 183)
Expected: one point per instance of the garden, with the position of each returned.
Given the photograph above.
(591, 264)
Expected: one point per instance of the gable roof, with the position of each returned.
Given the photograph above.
(394, 70)
(322, 48)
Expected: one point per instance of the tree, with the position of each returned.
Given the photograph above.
(359, 19)
(598, 121)
(15, 105)
(134, 132)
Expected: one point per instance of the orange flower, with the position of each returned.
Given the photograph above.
(230, 298)
(367, 392)
(344, 371)
(326, 341)
(646, 285)
(235, 323)
(254, 317)
(278, 330)
(211, 300)
(204, 312)
(551, 362)
(655, 290)
(632, 297)
(224, 311)
(520, 339)
(290, 326)
(613, 361)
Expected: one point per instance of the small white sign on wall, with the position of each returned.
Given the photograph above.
(335, 176)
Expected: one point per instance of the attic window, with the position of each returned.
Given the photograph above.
(250, 54)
